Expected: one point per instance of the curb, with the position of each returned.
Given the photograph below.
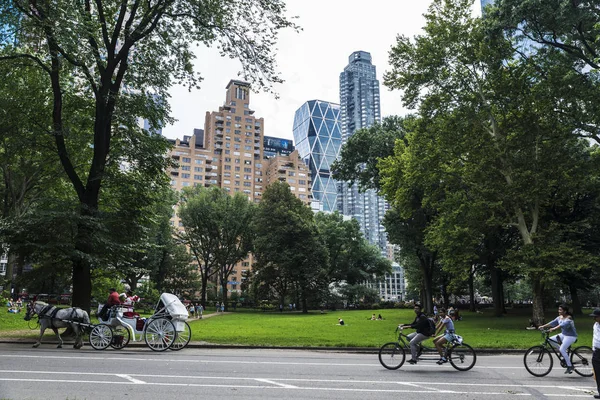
(204, 345)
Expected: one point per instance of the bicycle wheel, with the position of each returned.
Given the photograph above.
(538, 361)
(392, 355)
(581, 358)
(462, 357)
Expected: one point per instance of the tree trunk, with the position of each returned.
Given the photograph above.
(224, 289)
(203, 290)
(497, 291)
(471, 290)
(538, 301)
(82, 277)
(304, 305)
(576, 302)
(9, 274)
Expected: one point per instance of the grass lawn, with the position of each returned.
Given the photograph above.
(316, 329)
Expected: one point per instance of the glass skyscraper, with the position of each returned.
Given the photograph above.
(318, 137)
(360, 108)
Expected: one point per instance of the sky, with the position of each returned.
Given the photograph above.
(310, 62)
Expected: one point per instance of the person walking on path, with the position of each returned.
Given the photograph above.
(568, 334)
(596, 349)
(199, 311)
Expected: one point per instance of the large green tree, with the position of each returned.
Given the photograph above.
(217, 228)
(488, 123)
(289, 253)
(121, 57)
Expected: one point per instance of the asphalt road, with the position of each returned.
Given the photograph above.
(48, 373)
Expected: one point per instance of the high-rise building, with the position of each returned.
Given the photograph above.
(318, 136)
(360, 108)
(228, 153)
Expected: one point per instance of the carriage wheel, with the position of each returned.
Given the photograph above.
(101, 336)
(160, 334)
(121, 337)
(183, 338)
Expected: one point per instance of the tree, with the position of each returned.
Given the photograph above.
(569, 30)
(217, 230)
(352, 259)
(288, 251)
(361, 158)
(236, 236)
(487, 124)
(119, 58)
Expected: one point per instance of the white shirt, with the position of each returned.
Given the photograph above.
(596, 337)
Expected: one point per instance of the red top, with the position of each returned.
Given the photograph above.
(113, 299)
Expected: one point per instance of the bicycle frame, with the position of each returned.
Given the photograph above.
(547, 343)
(404, 341)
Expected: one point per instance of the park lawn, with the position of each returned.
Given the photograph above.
(322, 330)
(315, 329)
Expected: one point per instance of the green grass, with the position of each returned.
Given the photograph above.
(316, 329)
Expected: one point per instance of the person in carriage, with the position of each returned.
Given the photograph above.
(130, 300)
(113, 300)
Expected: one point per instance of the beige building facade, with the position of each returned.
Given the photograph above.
(229, 153)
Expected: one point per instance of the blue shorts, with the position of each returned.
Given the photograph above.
(449, 337)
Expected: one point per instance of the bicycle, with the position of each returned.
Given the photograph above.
(538, 359)
(460, 355)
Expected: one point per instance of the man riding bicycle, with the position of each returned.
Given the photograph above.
(421, 324)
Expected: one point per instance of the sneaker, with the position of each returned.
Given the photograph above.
(597, 396)
(411, 361)
(441, 361)
(569, 370)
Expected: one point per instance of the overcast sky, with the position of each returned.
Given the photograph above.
(310, 61)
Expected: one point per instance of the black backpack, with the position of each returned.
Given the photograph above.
(431, 326)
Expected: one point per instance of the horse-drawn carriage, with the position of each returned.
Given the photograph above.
(165, 329)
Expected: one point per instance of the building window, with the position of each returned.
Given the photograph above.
(186, 160)
(198, 161)
(240, 93)
(185, 168)
(185, 176)
(198, 177)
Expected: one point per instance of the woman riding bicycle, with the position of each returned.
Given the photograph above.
(447, 325)
(568, 334)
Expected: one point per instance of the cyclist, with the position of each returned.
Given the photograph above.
(568, 334)
(447, 325)
(421, 324)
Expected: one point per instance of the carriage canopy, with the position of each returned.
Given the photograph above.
(173, 306)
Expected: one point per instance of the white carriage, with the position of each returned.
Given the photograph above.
(165, 329)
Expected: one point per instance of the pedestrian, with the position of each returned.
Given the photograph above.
(596, 349)
(223, 307)
(281, 308)
(199, 311)
(191, 310)
(217, 307)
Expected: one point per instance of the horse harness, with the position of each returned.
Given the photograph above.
(50, 311)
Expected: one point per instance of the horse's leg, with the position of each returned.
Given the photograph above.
(39, 341)
(60, 341)
(78, 340)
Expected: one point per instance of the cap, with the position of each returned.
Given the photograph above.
(595, 313)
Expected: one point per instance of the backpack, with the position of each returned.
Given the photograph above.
(431, 326)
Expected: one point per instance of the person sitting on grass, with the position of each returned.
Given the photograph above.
(340, 321)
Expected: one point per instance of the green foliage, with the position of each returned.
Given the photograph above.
(351, 258)
(289, 254)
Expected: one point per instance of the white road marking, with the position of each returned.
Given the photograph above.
(562, 395)
(129, 378)
(138, 359)
(278, 384)
(423, 387)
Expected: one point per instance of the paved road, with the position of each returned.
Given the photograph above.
(48, 373)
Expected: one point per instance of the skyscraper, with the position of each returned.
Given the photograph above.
(318, 137)
(359, 104)
(228, 153)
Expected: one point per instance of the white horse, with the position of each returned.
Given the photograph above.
(54, 318)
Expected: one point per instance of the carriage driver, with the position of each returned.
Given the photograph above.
(113, 300)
